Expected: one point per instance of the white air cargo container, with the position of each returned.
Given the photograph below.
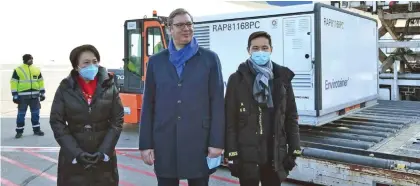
(333, 53)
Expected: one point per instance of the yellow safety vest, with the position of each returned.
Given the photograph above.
(27, 81)
(158, 47)
(134, 65)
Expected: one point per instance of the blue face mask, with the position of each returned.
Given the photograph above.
(214, 162)
(89, 72)
(260, 57)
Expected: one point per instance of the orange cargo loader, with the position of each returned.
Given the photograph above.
(132, 107)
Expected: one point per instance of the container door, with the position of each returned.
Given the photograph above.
(297, 49)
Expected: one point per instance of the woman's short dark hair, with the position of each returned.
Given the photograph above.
(257, 35)
(76, 52)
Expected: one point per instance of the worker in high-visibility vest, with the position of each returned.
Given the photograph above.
(134, 65)
(158, 47)
(27, 86)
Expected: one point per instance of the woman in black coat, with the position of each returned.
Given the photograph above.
(262, 132)
(87, 118)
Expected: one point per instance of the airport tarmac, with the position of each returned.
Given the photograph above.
(32, 160)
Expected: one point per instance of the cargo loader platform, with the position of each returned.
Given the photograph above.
(378, 145)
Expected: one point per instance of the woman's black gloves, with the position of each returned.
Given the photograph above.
(99, 156)
(88, 160)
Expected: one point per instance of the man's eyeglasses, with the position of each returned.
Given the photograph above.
(182, 25)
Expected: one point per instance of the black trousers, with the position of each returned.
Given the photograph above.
(175, 181)
(268, 177)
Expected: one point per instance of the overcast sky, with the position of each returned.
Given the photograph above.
(50, 29)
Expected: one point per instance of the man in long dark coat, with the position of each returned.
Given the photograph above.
(182, 119)
(262, 130)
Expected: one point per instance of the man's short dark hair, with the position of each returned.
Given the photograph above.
(76, 52)
(27, 57)
(258, 34)
(178, 11)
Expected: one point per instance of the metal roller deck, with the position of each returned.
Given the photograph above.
(380, 143)
(372, 129)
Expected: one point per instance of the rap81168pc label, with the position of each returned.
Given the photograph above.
(245, 25)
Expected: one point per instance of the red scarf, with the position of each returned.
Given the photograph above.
(88, 89)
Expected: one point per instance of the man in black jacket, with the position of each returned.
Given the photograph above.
(262, 131)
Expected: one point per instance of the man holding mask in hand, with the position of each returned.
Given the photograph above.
(182, 120)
